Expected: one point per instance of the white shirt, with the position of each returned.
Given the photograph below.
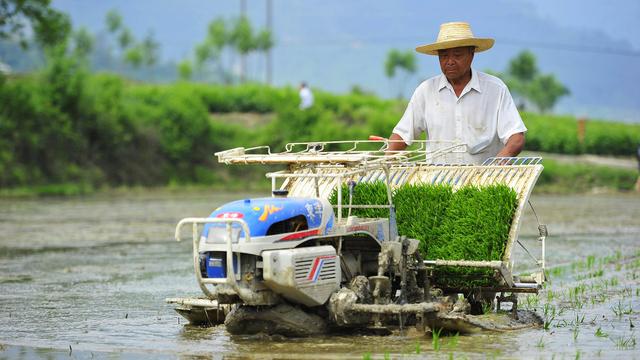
(306, 98)
(483, 117)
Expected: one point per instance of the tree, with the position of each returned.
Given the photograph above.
(134, 53)
(231, 38)
(185, 70)
(150, 49)
(125, 39)
(523, 67)
(529, 86)
(114, 21)
(264, 42)
(210, 50)
(243, 42)
(49, 26)
(405, 61)
(83, 43)
(545, 91)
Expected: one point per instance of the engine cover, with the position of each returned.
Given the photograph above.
(306, 275)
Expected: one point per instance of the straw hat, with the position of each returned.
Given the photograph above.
(455, 34)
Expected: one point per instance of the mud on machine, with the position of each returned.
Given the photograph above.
(289, 264)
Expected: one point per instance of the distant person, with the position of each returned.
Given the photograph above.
(638, 157)
(306, 96)
(462, 104)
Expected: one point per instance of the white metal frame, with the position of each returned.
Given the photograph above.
(230, 279)
(316, 172)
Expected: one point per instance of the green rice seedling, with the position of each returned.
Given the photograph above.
(476, 224)
(469, 224)
(600, 333)
(549, 316)
(418, 349)
(577, 303)
(475, 227)
(532, 301)
(540, 343)
(591, 260)
(579, 320)
(557, 271)
(373, 193)
(435, 339)
(620, 309)
(576, 332)
(487, 307)
(550, 295)
(625, 342)
(561, 311)
(453, 341)
(562, 323)
(366, 356)
(420, 210)
(575, 293)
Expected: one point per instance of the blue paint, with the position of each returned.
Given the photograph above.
(260, 214)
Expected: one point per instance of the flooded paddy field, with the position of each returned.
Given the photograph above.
(87, 277)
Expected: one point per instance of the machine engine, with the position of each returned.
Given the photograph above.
(307, 275)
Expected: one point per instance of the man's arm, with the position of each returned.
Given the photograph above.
(514, 145)
(395, 145)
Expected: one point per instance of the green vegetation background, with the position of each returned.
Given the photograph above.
(66, 130)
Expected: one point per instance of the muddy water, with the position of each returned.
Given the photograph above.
(87, 277)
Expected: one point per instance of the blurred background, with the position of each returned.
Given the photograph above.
(95, 91)
(122, 104)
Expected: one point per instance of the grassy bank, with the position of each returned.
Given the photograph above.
(559, 177)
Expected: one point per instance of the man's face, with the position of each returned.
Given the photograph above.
(455, 62)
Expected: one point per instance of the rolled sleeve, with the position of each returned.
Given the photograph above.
(509, 120)
(412, 123)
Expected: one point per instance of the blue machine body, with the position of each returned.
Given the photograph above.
(261, 213)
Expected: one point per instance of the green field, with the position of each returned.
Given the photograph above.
(64, 130)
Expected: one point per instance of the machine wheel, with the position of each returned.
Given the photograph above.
(282, 319)
(481, 301)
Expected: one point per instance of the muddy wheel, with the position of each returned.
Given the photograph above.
(282, 319)
(480, 302)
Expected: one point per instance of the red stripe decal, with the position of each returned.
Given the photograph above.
(313, 268)
(301, 234)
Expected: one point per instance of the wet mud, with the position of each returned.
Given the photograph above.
(85, 277)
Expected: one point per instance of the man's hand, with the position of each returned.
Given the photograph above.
(514, 145)
(395, 145)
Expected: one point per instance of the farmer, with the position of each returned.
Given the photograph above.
(462, 104)
(306, 96)
(638, 157)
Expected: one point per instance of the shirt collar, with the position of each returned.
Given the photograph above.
(474, 83)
